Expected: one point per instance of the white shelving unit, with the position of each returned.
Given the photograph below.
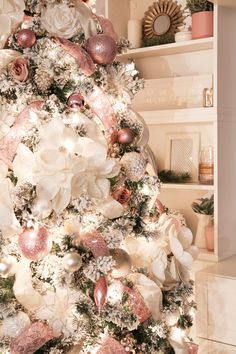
(179, 116)
(217, 126)
(169, 49)
(188, 186)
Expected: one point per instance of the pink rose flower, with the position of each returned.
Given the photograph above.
(19, 69)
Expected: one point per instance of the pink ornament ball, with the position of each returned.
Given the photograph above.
(102, 49)
(125, 136)
(26, 38)
(76, 101)
(34, 244)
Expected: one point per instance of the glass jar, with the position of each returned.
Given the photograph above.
(206, 165)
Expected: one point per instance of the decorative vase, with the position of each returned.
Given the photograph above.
(202, 24)
(135, 33)
(203, 220)
(209, 236)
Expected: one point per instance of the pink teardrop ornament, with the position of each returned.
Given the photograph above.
(100, 293)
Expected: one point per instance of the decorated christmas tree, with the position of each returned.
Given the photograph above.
(90, 260)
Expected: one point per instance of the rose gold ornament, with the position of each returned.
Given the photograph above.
(125, 136)
(95, 243)
(32, 338)
(26, 38)
(111, 346)
(123, 263)
(102, 49)
(34, 244)
(122, 195)
(137, 304)
(100, 293)
(76, 101)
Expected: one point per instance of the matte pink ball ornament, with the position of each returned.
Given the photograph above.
(26, 38)
(76, 101)
(34, 244)
(102, 49)
(125, 136)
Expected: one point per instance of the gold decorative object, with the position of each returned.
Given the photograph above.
(162, 17)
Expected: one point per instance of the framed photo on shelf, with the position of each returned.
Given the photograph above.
(182, 152)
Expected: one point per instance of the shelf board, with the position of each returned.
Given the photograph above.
(169, 49)
(188, 186)
(205, 255)
(177, 116)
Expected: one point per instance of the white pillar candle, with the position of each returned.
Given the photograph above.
(135, 33)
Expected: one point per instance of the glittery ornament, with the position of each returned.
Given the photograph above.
(122, 195)
(123, 263)
(72, 262)
(102, 49)
(14, 325)
(26, 38)
(7, 266)
(34, 244)
(100, 293)
(111, 346)
(76, 101)
(125, 136)
(134, 165)
(95, 243)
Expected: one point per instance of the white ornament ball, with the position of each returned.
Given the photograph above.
(134, 165)
(7, 266)
(72, 262)
(13, 325)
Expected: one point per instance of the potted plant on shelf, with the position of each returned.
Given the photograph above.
(204, 210)
(202, 18)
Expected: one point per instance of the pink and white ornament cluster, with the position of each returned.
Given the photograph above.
(74, 170)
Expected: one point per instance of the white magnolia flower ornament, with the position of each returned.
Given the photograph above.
(58, 309)
(11, 15)
(65, 166)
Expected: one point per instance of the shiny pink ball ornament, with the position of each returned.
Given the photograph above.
(76, 101)
(125, 136)
(102, 49)
(26, 38)
(34, 244)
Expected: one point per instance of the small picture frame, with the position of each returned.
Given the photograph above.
(182, 152)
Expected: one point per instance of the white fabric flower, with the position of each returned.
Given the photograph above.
(60, 20)
(11, 15)
(9, 225)
(65, 166)
(149, 255)
(58, 309)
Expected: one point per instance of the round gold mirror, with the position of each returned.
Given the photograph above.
(163, 17)
(161, 24)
